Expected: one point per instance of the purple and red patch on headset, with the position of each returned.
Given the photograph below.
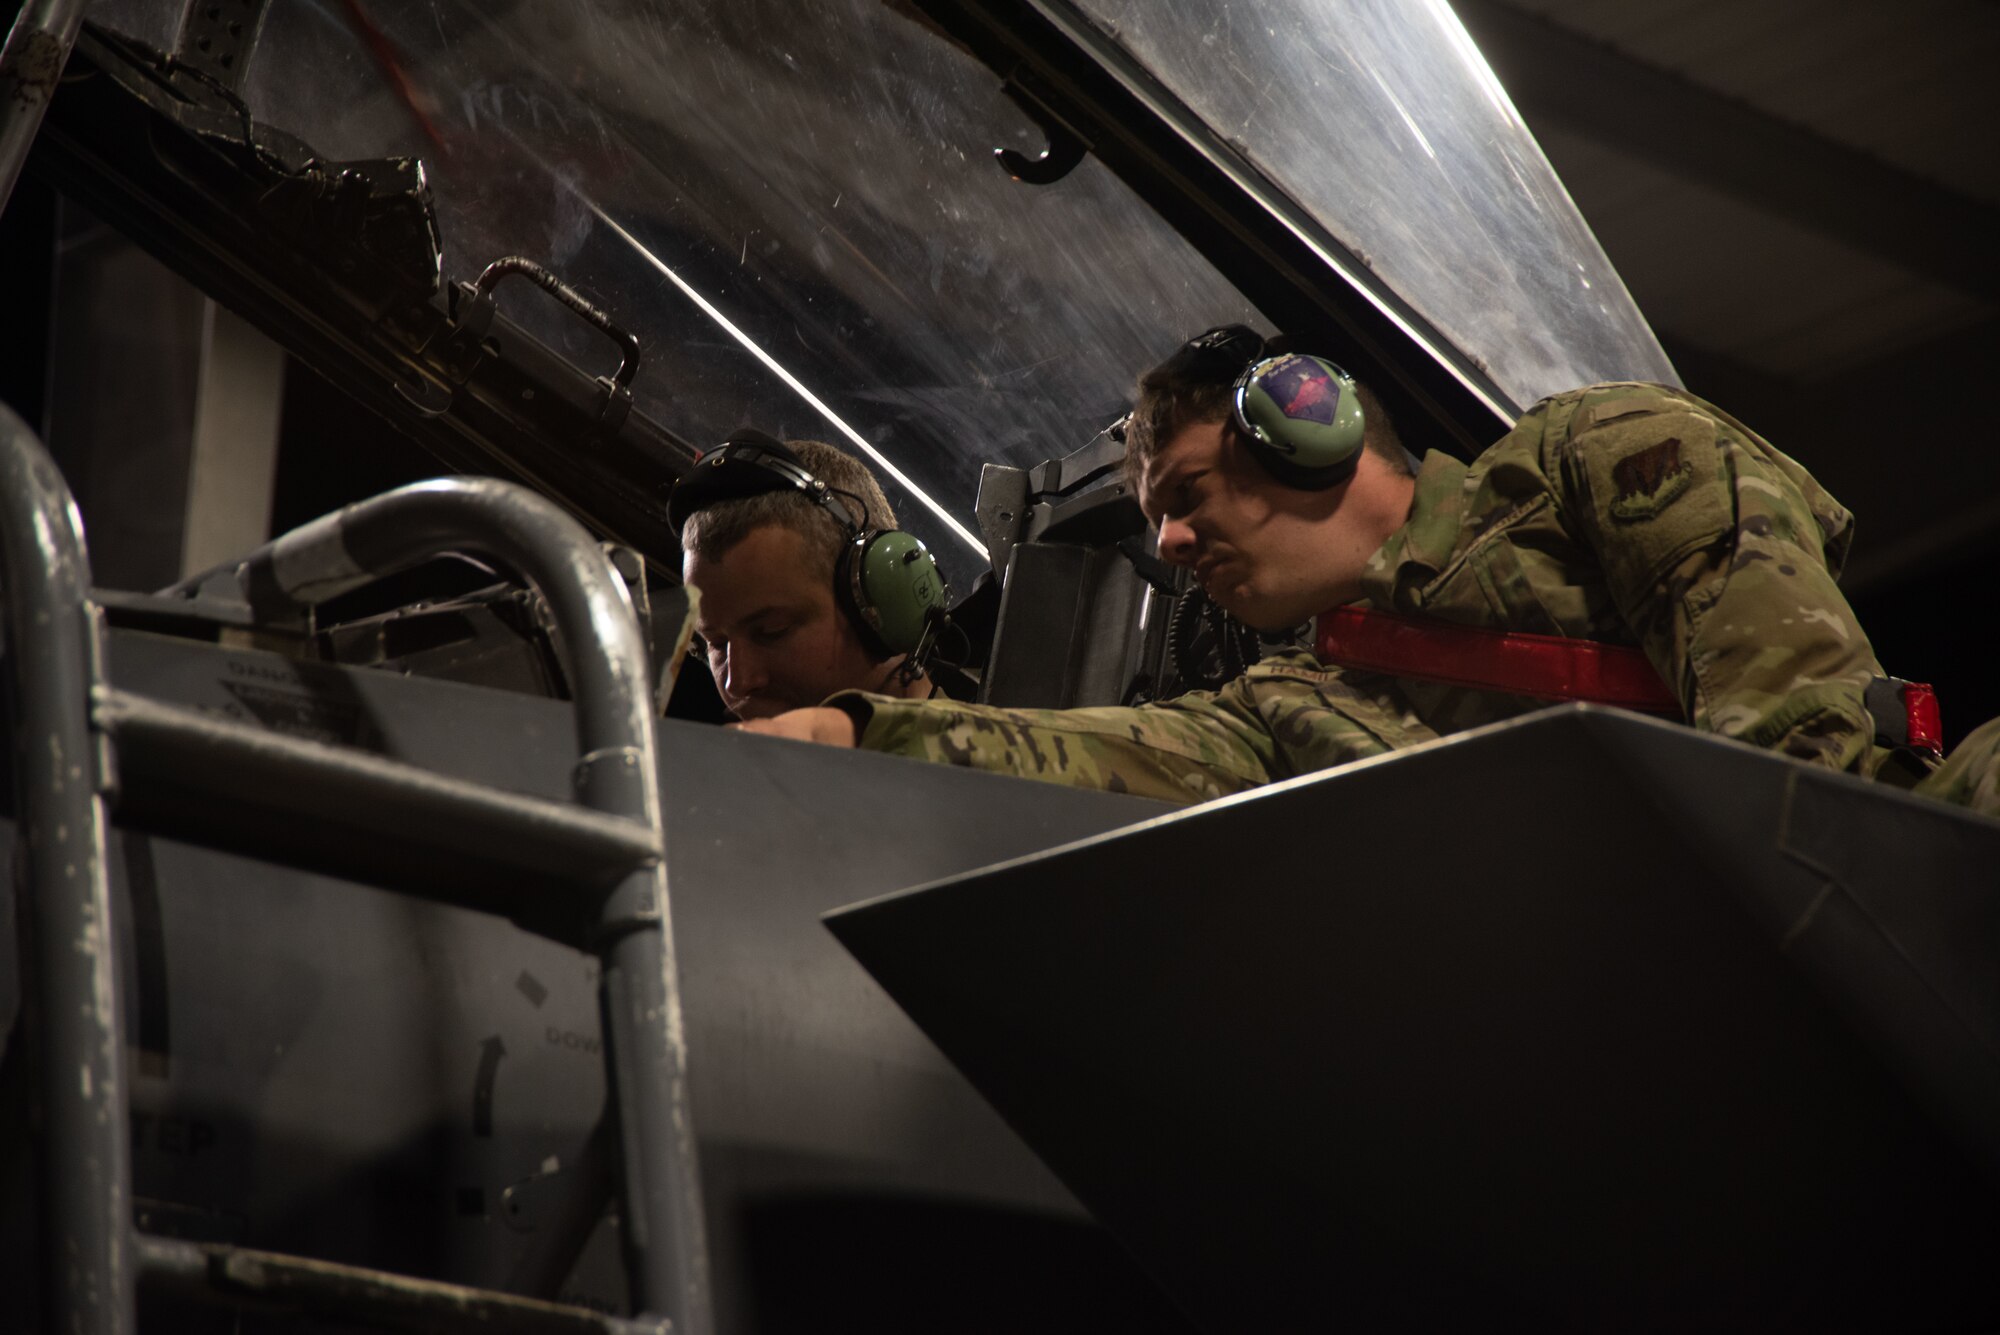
(1302, 389)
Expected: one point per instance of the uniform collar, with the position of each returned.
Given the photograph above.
(1416, 552)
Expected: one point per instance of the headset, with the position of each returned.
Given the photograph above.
(1299, 415)
(886, 581)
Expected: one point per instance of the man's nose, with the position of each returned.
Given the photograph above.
(743, 673)
(1177, 544)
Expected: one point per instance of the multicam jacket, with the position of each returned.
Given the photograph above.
(1629, 514)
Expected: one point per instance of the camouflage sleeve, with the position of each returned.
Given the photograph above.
(1286, 716)
(1970, 776)
(1721, 554)
(1189, 750)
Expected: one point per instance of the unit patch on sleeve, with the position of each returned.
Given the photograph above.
(1649, 480)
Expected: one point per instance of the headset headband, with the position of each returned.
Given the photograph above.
(753, 463)
(1221, 353)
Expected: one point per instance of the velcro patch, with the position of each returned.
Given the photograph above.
(1649, 480)
(1596, 414)
(1655, 491)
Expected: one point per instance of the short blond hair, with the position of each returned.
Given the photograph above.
(711, 532)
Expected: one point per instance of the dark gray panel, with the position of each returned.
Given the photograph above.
(329, 1068)
(1529, 1029)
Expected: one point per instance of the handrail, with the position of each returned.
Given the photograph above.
(664, 1233)
(211, 1274)
(53, 662)
(38, 46)
(176, 765)
(55, 665)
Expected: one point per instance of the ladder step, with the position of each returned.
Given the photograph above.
(216, 1275)
(366, 817)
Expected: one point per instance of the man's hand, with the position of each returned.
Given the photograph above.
(828, 727)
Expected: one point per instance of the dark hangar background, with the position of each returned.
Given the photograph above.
(1804, 200)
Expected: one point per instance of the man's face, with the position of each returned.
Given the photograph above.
(1268, 554)
(775, 639)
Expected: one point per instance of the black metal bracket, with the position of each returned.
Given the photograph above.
(218, 37)
(371, 224)
(1065, 150)
(1057, 500)
(1079, 468)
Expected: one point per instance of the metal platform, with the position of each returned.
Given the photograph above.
(1580, 1022)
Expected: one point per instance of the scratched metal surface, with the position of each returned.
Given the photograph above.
(821, 176)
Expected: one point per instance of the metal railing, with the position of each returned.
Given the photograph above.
(54, 660)
(73, 732)
(31, 62)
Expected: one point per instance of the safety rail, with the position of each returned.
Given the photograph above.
(301, 803)
(79, 743)
(205, 1274)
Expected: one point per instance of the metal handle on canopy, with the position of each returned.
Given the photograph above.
(546, 280)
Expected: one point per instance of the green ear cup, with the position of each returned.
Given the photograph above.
(1302, 418)
(894, 586)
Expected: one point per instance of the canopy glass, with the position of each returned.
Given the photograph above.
(797, 210)
(1383, 120)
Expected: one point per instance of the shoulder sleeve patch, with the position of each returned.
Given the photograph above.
(1656, 491)
(1648, 480)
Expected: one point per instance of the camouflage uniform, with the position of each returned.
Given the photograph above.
(1629, 513)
